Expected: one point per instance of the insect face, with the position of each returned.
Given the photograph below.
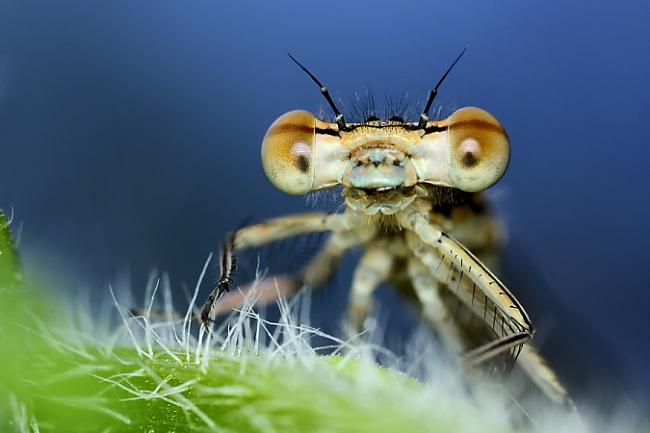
(379, 158)
(469, 151)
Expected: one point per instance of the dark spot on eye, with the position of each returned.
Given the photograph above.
(469, 160)
(302, 163)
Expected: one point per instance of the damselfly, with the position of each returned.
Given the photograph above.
(413, 203)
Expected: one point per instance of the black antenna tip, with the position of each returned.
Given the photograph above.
(291, 56)
(450, 68)
(340, 121)
(424, 116)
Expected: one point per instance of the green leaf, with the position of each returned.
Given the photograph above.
(10, 274)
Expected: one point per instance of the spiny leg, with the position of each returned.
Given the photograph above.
(261, 234)
(257, 235)
(227, 267)
(507, 331)
(434, 310)
(453, 265)
(528, 357)
(486, 296)
(373, 269)
(315, 274)
(259, 292)
(513, 342)
(444, 270)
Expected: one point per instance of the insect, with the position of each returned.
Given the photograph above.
(413, 203)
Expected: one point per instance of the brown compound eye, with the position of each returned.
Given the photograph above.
(480, 150)
(288, 152)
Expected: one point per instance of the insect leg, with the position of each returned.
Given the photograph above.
(474, 290)
(507, 333)
(496, 347)
(486, 297)
(227, 265)
(373, 269)
(536, 368)
(434, 310)
(266, 232)
(315, 274)
(470, 279)
(321, 267)
(264, 291)
(293, 225)
(529, 359)
(260, 292)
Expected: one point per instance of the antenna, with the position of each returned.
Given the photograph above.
(340, 121)
(424, 117)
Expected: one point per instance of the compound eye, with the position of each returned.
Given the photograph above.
(288, 152)
(480, 150)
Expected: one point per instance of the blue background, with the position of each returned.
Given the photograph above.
(130, 131)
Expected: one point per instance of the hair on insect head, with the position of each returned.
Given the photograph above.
(340, 120)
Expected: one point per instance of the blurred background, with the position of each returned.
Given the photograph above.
(130, 135)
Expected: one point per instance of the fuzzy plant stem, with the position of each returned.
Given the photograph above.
(159, 377)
